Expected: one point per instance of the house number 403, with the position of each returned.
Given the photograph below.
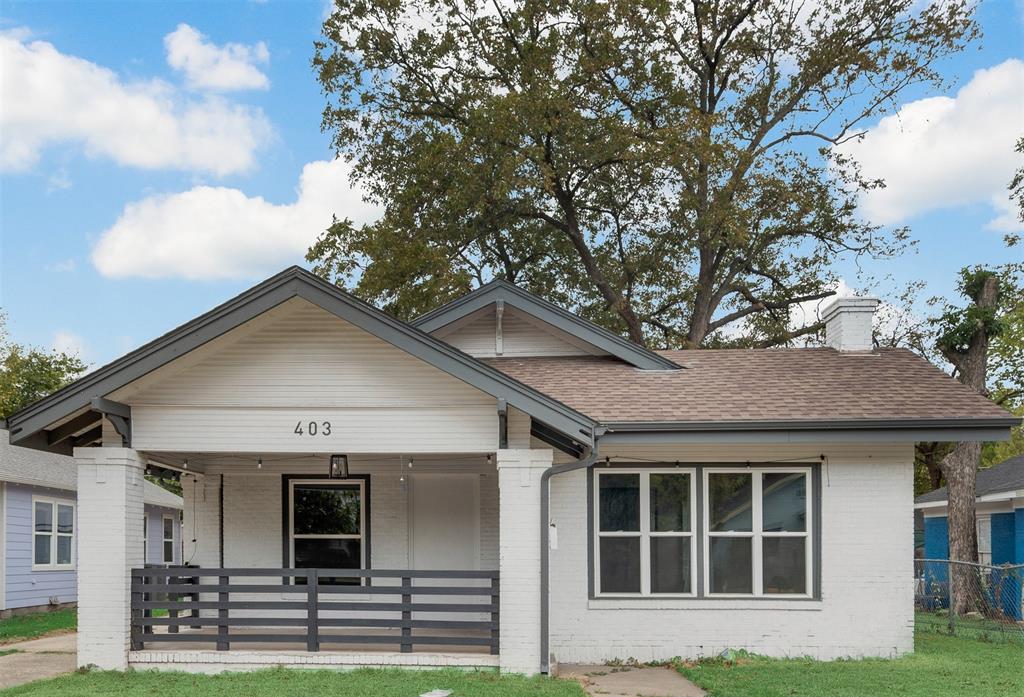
(312, 428)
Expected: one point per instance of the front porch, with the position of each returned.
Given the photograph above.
(398, 561)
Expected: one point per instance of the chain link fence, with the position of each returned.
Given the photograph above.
(971, 600)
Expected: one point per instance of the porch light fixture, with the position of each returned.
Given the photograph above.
(339, 467)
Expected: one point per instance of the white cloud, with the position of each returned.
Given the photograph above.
(943, 152)
(208, 66)
(48, 97)
(218, 232)
(69, 342)
(1008, 219)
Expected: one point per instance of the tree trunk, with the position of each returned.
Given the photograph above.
(961, 465)
(961, 469)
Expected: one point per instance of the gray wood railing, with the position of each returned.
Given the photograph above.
(327, 604)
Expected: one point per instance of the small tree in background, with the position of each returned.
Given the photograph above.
(28, 373)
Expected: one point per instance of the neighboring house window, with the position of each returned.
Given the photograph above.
(985, 540)
(168, 539)
(757, 532)
(327, 526)
(645, 532)
(53, 534)
(145, 539)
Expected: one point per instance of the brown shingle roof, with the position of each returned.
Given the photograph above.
(732, 385)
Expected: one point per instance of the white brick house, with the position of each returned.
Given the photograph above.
(499, 483)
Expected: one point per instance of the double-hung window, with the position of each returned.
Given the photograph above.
(757, 539)
(645, 532)
(328, 527)
(168, 539)
(53, 534)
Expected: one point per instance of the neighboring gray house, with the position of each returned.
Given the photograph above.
(498, 483)
(38, 558)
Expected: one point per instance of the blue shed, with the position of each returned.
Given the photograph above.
(999, 518)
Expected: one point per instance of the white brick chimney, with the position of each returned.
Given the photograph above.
(848, 323)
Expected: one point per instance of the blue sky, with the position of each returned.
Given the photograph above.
(147, 126)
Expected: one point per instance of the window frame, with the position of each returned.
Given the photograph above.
(164, 539)
(288, 483)
(984, 550)
(54, 502)
(644, 533)
(757, 535)
(812, 465)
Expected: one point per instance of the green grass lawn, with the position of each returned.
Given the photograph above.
(36, 625)
(940, 666)
(300, 683)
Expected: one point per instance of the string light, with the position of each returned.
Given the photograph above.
(186, 463)
(259, 463)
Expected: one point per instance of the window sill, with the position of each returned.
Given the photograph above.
(52, 567)
(810, 604)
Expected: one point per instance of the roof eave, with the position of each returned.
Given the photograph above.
(884, 430)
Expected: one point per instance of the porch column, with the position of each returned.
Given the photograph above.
(519, 473)
(109, 535)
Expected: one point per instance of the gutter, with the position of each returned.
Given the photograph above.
(1007, 421)
(545, 537)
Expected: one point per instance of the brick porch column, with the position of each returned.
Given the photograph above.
(109, 536)
(519, 473)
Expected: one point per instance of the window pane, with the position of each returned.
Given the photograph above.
(44, 517)
(65, 519)
(168, 528)
(328, 554)
(785, 502)
(731, 565)
(620, 502)
(326, 510)
(785, 565)
(42, 549)
(620, 564)
(168, 552)
(730, 497)
(64, 549)
(670, 564)
(670, 502)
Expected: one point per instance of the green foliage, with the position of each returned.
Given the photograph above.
(957, 327)
(281, 682)
(172, 485)
(665, 169)
(941, 666)
(28, 374)
(37, 624)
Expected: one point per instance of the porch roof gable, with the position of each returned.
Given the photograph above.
(28, 427)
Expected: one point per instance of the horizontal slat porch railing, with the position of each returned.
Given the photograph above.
(180, 590)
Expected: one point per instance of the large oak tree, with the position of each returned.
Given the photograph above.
(665, 168)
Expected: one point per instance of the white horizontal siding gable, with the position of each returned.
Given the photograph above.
(298, 364)
(521, 336)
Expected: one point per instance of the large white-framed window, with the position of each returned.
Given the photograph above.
(53, 534)
(644, 532)
(167, 548)
(327, 526)
(757, 534)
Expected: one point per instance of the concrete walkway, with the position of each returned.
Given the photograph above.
(37, 659)
(630, 681)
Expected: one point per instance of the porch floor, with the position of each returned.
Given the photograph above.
(189, 656)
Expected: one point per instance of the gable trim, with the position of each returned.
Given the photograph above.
(509, 293)
(26, 426)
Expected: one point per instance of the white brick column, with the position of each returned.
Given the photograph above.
(109, 545)
(519, 473)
